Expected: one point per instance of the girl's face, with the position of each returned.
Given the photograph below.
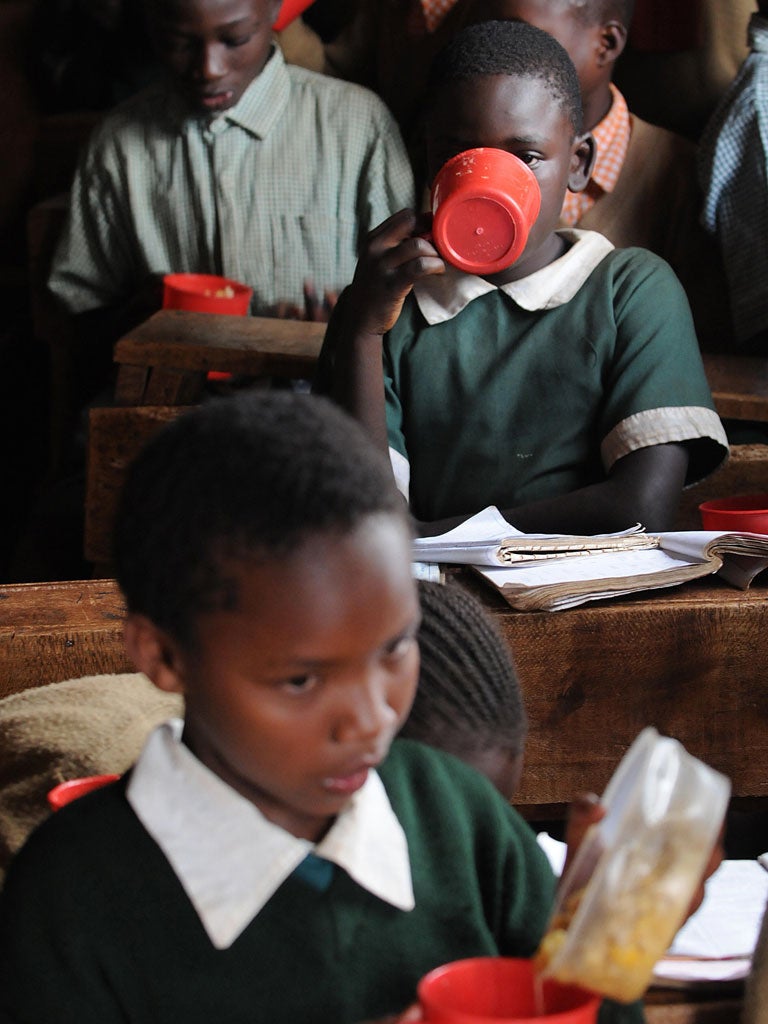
(293, 697)
(519, 115)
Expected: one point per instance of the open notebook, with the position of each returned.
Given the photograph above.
(550, 572)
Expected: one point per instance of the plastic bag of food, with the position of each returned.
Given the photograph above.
(631, 883)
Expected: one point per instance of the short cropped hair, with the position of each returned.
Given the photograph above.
(586, 12)
(509, 48)
(468, 699)
(245, 478)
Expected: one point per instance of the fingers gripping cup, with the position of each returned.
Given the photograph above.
(484, 203)
(501, 990)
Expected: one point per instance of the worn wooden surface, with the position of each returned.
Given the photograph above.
(690, 660)
(55, 631)
(115, 436)
(165, 359)
(739, 385)
(716, 1011)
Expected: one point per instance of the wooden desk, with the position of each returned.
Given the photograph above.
(163, 361)
(690, 660)
(739, 385)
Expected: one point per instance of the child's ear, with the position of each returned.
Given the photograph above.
(583, 156)
(613, 39)
(154, 653)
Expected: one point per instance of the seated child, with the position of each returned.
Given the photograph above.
(733, 165)
(568, 390)
(237, 164)
(274, 856)
(642, 189)
(468, 701)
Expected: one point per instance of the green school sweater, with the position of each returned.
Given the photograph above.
(95, 927)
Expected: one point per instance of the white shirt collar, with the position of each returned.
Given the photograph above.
(443, 296)
(230, 859)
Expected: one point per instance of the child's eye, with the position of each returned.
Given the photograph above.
(233, 42)
(531, 159)
(398, 648)
(300, 684)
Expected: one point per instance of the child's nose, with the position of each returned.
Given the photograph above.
(213, 63)
(365, 713)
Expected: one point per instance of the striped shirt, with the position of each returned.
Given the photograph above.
(612, 139)
(733, 168)
(279, 189)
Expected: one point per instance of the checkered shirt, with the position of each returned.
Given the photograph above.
(733, 172)
(612, 138)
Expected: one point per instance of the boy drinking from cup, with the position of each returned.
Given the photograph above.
(566, 388)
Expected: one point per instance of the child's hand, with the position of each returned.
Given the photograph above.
(585, 810)
(315, 309)
(396, 257)
(714, 862)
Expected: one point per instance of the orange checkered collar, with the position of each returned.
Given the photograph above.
(434, 11)
(612, 139)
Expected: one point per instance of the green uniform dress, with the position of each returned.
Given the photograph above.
(498, 404)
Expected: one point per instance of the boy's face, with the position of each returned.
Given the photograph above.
(294, 696)
(582, 42)
(519, 115)
(213, 48)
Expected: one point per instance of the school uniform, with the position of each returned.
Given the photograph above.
(171, 898)
(279, 189)
(505, 395)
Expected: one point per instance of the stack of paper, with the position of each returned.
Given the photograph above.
(550, 572)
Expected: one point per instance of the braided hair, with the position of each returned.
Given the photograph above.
(468, 698)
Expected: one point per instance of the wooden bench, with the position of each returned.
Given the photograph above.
(164, 361)
(739, 385)
(690, 660)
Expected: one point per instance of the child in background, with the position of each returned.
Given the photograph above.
(277, 834)
(733, 168)
(236, 164)
(568, 390)
(468, 701)
(642, 189)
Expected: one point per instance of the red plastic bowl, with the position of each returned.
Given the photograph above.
(198, 293)
(500, 990)
(484, 203)
(66, 792)
(290, 10)
(745, 513)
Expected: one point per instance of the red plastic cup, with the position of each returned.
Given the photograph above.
(743, 513)
(198, 293)
(500, 990)
(484, 204)
(289, 11)
(66, 792)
